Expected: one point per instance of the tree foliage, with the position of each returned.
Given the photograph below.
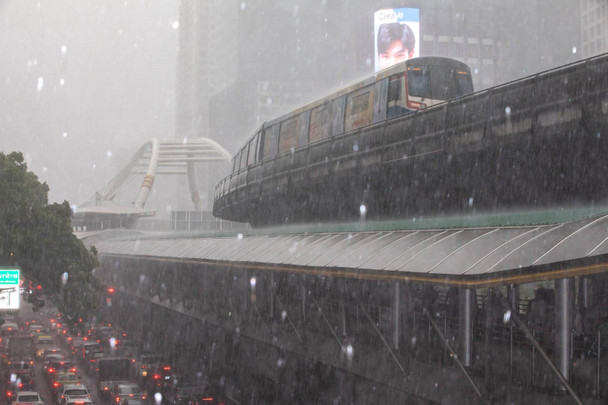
(37, 237)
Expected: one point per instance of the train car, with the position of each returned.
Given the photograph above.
(400, 90)
(535, 143)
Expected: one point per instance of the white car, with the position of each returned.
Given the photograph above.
(74, 392)
(28, 398)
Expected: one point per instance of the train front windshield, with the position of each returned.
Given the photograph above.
(439, 82)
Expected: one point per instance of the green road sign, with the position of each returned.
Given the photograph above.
(9, 288)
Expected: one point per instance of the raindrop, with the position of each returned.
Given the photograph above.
(476, 70)
(243, 5)
(13, 378)
(470, 201)
(120, 31)
(142, 278)
(280, 362)
(64, 50)
(350, 352)
(507, 316)
(65, 134)
(62, 82)
(64, 278)
(109, 153)
(362, 210)
(269, 100)
(94, 166)
(355, 147)
(40, 84)
(508, 110)
(574, 49)
(252, 283)
(44, 169)
(158, 397)
(175, 25)
(283, 315)
(239, 236)
(113, 343)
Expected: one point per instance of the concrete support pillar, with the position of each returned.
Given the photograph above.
(396, 314)
(564, 314)
(513, 297)
(466, 313)
(585, 292)
(342, 295)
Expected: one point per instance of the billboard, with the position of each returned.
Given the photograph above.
(9, 288)
(396, 36)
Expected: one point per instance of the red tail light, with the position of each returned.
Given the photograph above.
(156, 376)
(117, 399)
(56, 384)
(207, 399)
(20, 385)
(167, 368)
(9, 394)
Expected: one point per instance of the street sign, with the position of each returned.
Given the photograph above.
(9, 288)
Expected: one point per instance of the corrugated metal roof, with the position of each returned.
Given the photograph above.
(457, 254)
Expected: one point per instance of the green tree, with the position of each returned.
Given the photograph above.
(37, 237)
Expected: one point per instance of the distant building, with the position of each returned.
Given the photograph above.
(594, 27)
(243, 63)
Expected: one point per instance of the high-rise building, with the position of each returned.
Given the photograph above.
(594, 27)
(206, 61)
(253, 61)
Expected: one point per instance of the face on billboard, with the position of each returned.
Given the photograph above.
(396, 36)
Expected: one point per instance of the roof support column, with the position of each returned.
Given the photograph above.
(564, 308)
(466, 314)
(585, 292)
(513, 296)
(396, 310)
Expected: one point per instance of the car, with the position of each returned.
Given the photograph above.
(50, 358)
(60, 366)
(73, 391)
(60, 379)
(75, 401)
(145, 364)
(87, 348)
(43, 342)
(36, 330)
(93, 359)
(194, 394)
(27, 397)
(160, 376)
(130, 392)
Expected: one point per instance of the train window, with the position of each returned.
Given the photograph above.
(288, 139)
(253, 147)
(396, 103)
(244, 154)
(319, 124)
(271, 141)
(235, 161)
(358, 109)
(418, 82)
(394, 88)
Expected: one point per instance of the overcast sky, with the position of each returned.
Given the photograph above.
(82, 81)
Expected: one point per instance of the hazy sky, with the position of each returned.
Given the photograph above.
(82, 81)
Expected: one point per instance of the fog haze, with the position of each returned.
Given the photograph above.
(82, 83)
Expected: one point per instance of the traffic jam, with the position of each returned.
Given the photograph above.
(45, 362)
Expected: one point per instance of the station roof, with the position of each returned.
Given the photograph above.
(475, 256)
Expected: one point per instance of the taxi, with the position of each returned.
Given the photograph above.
(59, 380)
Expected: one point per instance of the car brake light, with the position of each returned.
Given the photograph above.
(56, 384)
(20, 385)
(207, 399)
(167, 368)
(117, 399)
(156, 376)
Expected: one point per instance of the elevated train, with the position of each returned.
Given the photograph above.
(414, 140)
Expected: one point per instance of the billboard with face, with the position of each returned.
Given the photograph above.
(396, 36)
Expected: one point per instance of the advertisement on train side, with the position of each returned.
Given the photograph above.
(396, 36)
